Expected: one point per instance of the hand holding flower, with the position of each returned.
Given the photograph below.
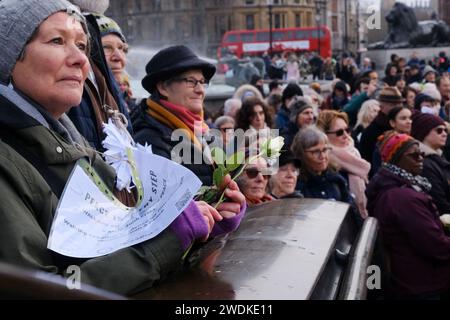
(234, 195)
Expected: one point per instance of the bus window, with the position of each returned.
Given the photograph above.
(247, 37)
(316, 34)
(232, 37)
(301, 34)
(262, 36)
(278, 35)
(291, 35)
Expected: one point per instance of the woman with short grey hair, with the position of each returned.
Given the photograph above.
(317, 178)
(226, 126)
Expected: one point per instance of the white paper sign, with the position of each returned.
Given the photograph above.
(90, 223)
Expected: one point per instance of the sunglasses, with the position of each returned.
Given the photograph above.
(441, 130)
(340, 132)
(252, 173)
(416, 155)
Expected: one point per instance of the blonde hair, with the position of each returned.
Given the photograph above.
(326, 118)
(364, 113)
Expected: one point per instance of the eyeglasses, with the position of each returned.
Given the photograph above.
(109, 49)
(252, 173)
(192, 83)
(339, 132)
(318, 152)
(441, 130)
(416, 155)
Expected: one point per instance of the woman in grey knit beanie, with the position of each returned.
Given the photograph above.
(43, 68)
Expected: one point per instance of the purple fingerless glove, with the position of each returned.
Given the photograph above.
(189, 226)
(228, 225)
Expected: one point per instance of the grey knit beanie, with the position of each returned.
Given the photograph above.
(296, 107)
(18, 21)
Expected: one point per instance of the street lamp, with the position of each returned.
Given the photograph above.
(321, 8)
(270, 5)
(318, 32)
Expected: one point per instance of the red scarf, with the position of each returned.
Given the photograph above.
(185, 115)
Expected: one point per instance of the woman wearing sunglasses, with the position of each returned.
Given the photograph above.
(413, 236)
(431, 131)
(317, 178)
(253, 182)
(345, 156)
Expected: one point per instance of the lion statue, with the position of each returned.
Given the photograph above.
(404, 31)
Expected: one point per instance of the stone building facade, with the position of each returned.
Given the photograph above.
(202, 23)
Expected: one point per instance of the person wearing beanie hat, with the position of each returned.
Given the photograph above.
(429, 74)
(423, 124)
(431, 131)
(40, 149)
(19, 23)
(413, 235)
(282, 184)
(101, 88)
(292, 90)
(428, 100)
(114, 45)
(301, 115)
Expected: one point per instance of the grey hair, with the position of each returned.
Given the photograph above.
(97, 6)
(222, 120)
(305, 139)
(230, 104)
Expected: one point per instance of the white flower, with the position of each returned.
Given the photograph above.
(445, 219)
(272, 147)
(118, 145)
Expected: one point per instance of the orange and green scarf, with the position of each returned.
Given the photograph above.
(177, 117)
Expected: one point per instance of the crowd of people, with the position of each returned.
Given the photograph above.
(379, 145)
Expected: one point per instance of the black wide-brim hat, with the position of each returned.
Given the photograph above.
(172, 61)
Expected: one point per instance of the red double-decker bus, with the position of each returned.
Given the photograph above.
(256, 42)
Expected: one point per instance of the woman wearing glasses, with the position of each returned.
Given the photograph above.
(413, 236)
(171, 120)
(317, 178)
(431, 131)
(345, 156)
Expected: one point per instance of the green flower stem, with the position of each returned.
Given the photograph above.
(222, 196)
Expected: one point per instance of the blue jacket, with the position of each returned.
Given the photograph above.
(282, 118)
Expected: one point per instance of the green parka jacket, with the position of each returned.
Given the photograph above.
(27, 208)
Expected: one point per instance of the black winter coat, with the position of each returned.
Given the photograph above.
(437, 170)
(369, 138)
(149, 130)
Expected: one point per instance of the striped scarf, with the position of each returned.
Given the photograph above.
(177, 117)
